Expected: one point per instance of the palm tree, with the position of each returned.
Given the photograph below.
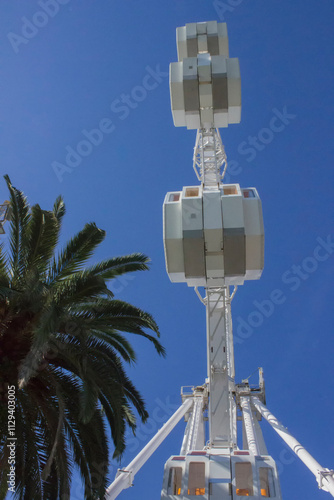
(62, 346)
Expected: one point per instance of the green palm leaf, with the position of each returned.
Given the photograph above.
(77, 252)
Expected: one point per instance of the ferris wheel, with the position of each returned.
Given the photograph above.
(214, 238)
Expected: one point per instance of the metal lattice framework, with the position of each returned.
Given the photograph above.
(209, 162)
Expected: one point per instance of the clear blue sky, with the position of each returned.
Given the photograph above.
(69, 75)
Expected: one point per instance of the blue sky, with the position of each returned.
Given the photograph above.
(68, 76)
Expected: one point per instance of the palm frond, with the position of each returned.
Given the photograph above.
(19, 222)
(4, 275)
(77, 252)
(117, 266)
(116, 341)
(56, 443)
(121, 316)
(79, 287)
(41, 239)
(14, 239)
(59, 209)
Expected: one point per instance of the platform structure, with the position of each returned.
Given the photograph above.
(214, 239)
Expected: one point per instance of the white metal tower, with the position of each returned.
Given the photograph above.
(214, 238)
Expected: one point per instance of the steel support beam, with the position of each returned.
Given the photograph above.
(219, 402)
(194, 435)
(125, 476)
(253, 445)
(325, 477)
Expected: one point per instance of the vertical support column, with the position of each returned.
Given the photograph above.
(247, 415)
(230, 364)
(325, 477)
(259, 436)
(194, 435)
(219, 403)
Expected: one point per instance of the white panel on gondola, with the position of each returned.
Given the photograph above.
(254, 232)
(234, 232)
(176, 92)
(220, 477)
(193, 235)
(213, 232)
(172, 215)
(220, 91)
(202, 41)
(233, 90)
(204, 68)
(195, 38)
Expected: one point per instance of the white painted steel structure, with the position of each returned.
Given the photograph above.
(325, 477)
(247, 414)
(125, 476)
(209, 160)
(214, 237)
(194, 436)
